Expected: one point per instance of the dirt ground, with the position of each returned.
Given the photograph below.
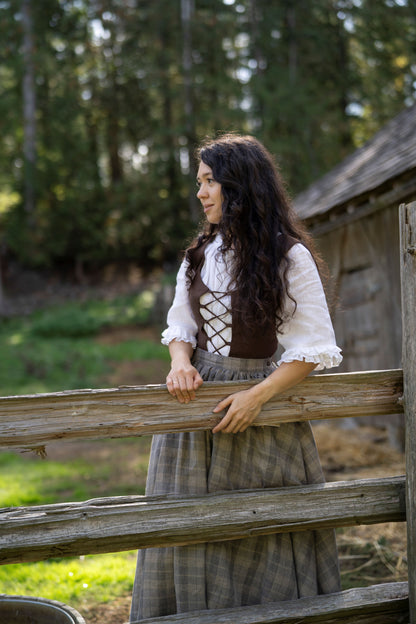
(368, 554)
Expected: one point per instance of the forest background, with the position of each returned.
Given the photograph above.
(103, 101)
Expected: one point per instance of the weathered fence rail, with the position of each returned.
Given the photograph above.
(407, 216)
(123, 523)
(36, 420)
(126, 522)
(379, 604)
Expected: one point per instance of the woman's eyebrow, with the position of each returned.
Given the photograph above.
(204, 175)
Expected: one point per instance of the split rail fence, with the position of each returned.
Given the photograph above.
(128, 522)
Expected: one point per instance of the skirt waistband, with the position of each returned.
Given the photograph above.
(232, 363)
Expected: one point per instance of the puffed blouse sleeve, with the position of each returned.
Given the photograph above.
(307, 334)
(181, 324)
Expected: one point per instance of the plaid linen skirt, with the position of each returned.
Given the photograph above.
(249, 571)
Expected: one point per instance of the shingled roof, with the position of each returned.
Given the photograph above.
(390, 153)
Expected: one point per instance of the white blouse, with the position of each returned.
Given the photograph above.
(307, 334)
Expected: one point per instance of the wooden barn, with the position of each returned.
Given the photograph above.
(353, 214)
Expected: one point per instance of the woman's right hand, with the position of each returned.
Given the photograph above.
(183, 379)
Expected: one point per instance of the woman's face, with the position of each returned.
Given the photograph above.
(209, 193)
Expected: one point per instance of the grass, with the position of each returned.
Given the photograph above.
(85, 319)
(56, 349)
(33, 482)
(59, 349)
(76, 472)
(107, 468)
(76, 582)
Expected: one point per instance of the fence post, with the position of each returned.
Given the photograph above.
(407, 217)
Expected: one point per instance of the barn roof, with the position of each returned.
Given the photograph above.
(390, 153)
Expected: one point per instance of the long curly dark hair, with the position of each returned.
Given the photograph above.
(258, 225)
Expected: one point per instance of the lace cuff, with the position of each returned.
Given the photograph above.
(325, 357)
(178, 333)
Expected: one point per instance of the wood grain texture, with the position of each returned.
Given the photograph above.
(380, 604)
(408, 280)
(36, 420)
(124, 523)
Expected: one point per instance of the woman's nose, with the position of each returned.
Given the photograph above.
(201, 192)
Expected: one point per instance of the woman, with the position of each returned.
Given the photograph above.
(246, 280)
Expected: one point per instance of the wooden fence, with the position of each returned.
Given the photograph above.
(128, 522)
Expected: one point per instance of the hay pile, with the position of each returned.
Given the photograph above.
(369, 554)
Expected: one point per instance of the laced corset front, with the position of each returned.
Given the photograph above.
(215, 310)
(217, 329)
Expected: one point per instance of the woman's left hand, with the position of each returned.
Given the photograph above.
(243, 408)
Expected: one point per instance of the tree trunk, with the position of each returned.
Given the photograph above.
(1, 292)
(29, 108)
(344, 86)
(292, 43)
(187, 11)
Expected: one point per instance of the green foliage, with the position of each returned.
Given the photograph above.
(33, 364)
(86, 319)
(124, 91)
(55, 349)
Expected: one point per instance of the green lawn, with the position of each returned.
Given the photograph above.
(76, 582)
(108, 468)
(59, 349)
